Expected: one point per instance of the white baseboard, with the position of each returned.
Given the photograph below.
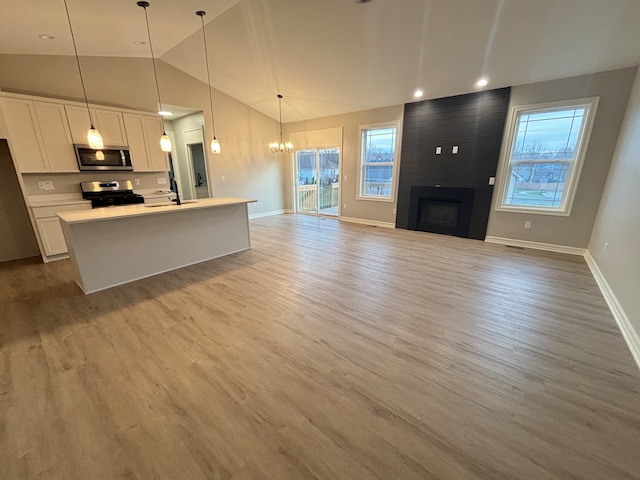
(628, 332)
(372, 223)
(268, 214)
(549, 247)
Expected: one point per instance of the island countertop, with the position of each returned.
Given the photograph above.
(142, 209)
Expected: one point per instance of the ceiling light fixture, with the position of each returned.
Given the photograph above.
(483, 82)
(165, 141)
(44, 36)
(215, 144)
(418, 93)
(281, 147)
(140, 42)
(165, 113)
(94, 139)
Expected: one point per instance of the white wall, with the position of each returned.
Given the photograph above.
(618, 222)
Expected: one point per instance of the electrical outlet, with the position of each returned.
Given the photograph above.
(344, 206)
(527, 224)
(394, 211)
(606, 246)
(46, 185)
(222, 179)
(438, 150)
(345, 178)
(41, 185)
(454, 150)
(136, 181)
(161, 181)
(492, 180)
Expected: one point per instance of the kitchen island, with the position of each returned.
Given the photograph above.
(117, 245)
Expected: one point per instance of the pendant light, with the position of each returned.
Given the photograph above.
(281, 147)
(165, 141)
(94, 139)
(215, 144)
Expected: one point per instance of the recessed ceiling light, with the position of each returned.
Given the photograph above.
(483, 82)
(418, 93)
(44, 36)
(165, 113)
(140, 42)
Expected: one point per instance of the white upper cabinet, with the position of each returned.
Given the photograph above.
(56, 137)
(110, 124)
(144, 134)
(111, 127)
(39, 136)
(159, 160)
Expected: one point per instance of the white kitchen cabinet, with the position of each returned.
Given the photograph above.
(110, 124)
(51, 235)
(56, 137)
(39, 136)
(111, 127)
(158, 159)
(144, 134)
(53, 244)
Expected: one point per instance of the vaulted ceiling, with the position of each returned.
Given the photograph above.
(334, 56)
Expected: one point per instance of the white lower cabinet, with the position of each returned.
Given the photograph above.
(52, 241)
(51, 235)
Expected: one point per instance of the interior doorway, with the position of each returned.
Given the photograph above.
(317, 181)
(195, 170)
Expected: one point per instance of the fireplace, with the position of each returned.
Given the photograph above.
(445, 210)
(439, 216)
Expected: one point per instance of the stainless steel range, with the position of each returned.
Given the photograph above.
(108, 194)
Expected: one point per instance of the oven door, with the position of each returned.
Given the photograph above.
(109, 158)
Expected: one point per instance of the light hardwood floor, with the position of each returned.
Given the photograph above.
(328, 351)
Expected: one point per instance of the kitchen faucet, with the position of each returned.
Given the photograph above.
(174, 186)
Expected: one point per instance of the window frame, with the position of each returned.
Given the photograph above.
(575, 166)
(394, 165)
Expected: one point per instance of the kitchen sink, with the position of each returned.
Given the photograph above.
(168, 204)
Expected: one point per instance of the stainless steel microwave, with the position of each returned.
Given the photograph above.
(109, 158)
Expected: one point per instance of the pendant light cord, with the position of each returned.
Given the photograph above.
(201, 14)
(153, 59)
(75, 49)
(280, 110)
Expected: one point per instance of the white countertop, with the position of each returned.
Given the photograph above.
(125, 211)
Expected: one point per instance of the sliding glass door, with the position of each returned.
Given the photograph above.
(318, 181)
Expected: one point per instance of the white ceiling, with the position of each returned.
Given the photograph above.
(335, 56)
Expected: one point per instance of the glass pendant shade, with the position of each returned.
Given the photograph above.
(215, 145)
(165, 143)
(94, 139)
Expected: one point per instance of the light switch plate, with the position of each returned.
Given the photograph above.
(438, 150)
(222, 179)
(454, 150)
(492, 180)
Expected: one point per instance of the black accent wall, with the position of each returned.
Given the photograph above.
(474, 122)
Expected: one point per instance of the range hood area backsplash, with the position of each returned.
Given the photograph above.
(468, 129)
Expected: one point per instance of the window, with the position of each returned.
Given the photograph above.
(378, 155)
(547, 144)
